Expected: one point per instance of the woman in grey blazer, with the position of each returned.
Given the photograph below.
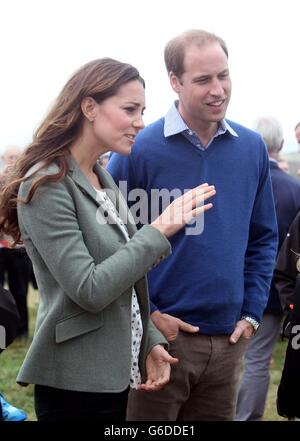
(93, 337)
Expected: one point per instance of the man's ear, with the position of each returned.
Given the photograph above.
(175, 82)
(88, 107)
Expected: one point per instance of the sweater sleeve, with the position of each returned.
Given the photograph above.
(262, 246)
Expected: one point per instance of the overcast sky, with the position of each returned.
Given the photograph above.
(43, 42)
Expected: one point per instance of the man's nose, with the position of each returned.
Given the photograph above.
(216, 88)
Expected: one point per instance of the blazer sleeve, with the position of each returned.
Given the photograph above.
(155, 337)
(50, 222)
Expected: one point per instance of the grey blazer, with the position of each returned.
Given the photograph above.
(85, 271)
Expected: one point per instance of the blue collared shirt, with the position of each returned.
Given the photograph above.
(175, 124)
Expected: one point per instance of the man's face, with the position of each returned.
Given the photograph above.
(204, 88)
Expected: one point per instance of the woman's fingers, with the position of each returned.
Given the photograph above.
(205, 195)
(196, 196)
(181, 211)
(200, 190)
(199, 210)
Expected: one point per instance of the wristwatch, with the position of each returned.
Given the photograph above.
(252, 322)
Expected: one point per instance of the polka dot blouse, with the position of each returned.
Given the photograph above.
(136, 322)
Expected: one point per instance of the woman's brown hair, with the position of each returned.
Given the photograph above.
(99, 79)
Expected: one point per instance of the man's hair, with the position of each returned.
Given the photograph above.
(175, 49)
(271, 131)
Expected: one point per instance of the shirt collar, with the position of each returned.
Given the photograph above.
(174, 124)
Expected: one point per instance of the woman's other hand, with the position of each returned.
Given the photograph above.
(158, 368)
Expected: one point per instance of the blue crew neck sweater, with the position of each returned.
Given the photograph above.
(213, 278)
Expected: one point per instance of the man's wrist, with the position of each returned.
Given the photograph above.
(252, 322)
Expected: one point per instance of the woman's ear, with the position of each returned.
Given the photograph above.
(88, 107)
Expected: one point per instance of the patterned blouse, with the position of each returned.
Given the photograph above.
(136, 321)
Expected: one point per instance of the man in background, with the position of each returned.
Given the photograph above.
(10, 155)
(15, 265)
(286, 189)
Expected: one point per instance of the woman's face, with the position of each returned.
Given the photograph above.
(118, 119)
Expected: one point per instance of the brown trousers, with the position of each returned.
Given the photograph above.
(203, 385)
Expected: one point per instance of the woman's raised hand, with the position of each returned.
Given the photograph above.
(183, 209)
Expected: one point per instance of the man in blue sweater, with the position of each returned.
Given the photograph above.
(208, 297)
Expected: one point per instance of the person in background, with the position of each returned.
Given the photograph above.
(93, 338)
(15, 265)
(287, 280)
(286, 189)
(208, 297)
(10, 155)
(9, 323)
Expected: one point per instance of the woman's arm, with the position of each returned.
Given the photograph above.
(50, 221)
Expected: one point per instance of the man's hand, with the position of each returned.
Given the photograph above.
(169, 326)
(158, 367)
(242, 328)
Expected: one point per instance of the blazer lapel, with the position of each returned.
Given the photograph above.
(115, 194)
(112, 190)
(80, 180)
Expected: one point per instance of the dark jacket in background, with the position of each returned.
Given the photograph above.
(286, 190)
(288, 402)
(286, 271)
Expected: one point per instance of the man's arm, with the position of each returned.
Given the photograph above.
(262, 247)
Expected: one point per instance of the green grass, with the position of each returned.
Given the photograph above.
(10, 362)
(22, 397)
(275, 373)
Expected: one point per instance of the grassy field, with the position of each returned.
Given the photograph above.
(11, 359)
(10, 362)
